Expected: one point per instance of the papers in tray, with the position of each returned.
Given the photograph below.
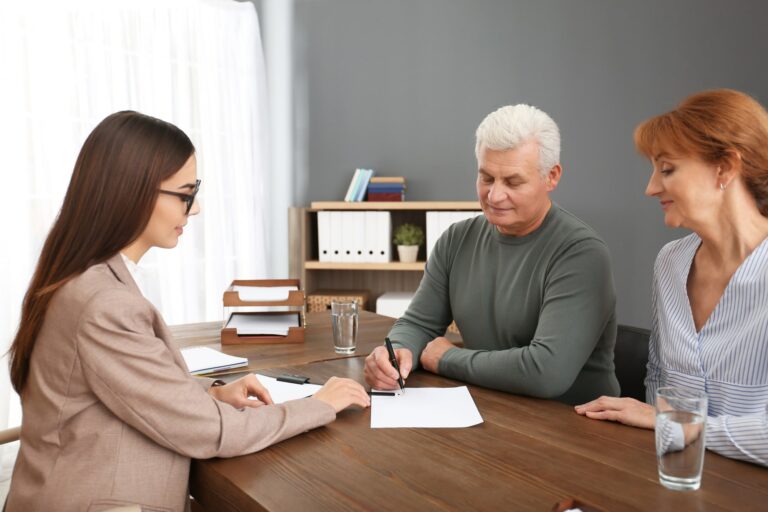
(202, 360)
(264, 325)
(263, 293)
(425, 408)
(285, 391)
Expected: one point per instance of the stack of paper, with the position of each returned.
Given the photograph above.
(202, 360)
(263, 325)
(263, 293)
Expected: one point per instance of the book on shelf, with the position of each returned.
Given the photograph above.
(387, 188)
(365, 177)
(386, 196)
(358, 185)
(388, 179)
(351, 189)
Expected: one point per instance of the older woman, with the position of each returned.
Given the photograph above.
(710, 288)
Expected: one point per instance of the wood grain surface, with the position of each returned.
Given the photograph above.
(528, 454)
(317, 346)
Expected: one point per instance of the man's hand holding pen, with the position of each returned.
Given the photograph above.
(379, 372)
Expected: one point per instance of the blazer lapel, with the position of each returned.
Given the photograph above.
(121, 272)
(118, 268)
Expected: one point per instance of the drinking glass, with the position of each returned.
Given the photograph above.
(681, 419)
(344, 316)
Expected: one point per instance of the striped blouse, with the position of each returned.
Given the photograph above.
(728, 358)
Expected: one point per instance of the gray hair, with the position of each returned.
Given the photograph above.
(511, 126)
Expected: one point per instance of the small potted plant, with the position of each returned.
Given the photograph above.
(408, 238)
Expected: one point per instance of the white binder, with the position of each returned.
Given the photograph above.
(336, 236)
(324, 236)
(347, 236)
(371, 234)
(357, 234)
(432, 231)
(384, 238)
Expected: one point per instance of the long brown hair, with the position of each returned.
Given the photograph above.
(108, 204)
(711, 126)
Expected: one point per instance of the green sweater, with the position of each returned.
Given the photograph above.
(536, 312)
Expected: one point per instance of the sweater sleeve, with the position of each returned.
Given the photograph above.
(429, 313)
(578, 303)
(133, 373)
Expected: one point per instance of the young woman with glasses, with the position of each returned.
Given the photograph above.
(111, 415)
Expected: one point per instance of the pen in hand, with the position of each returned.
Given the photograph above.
(393, 361)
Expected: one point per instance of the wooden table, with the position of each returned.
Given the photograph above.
(317, 346)
(529, 454)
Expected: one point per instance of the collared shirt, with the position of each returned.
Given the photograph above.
(135, 272)
(728, 358)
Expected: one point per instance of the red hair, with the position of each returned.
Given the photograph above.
(713, 126)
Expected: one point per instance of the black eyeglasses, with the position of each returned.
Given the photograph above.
(189, 199)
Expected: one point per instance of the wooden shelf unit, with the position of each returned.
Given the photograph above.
(375, 277)
(338, 265)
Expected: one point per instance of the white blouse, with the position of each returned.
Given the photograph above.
(135, 272)
(727, 359)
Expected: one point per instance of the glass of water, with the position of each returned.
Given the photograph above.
(344, 324)
(681, 420)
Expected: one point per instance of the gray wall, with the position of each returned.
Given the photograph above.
(400, 86)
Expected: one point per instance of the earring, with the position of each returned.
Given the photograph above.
(722, 187)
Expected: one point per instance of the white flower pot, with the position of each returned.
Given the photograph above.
(407, 253)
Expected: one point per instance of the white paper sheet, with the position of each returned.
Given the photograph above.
(284, 391)
(202, 360)
(425, 408)
(253, 325)
(263, 293)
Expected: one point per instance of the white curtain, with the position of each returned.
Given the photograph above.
(64, 66)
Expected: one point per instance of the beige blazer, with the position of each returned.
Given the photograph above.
(112, 417)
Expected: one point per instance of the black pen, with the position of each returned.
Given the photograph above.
(393, 361)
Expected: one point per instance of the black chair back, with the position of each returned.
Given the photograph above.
(630, 359)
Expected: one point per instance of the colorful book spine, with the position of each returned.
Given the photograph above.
(386, 196)
(365, 177)
(358, 185)
(388, 179)
(385, 187)
(349, 196)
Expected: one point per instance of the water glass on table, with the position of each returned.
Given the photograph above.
(344, 315)
(681, 419)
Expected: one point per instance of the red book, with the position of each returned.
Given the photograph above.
(386, 196)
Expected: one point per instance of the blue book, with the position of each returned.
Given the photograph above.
(385, 187)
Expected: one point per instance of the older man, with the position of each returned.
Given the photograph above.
(528, 284)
